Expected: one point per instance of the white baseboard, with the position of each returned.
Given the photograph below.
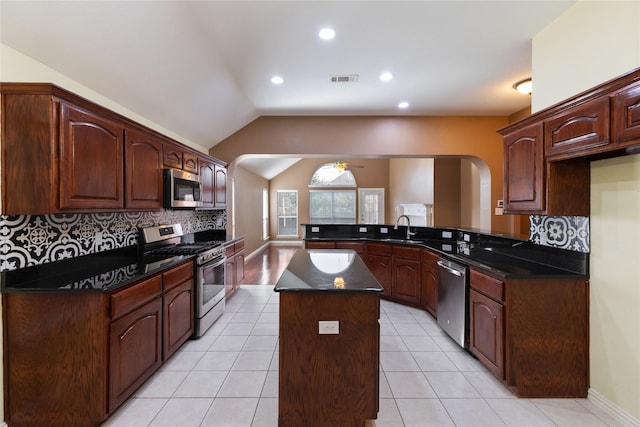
(612, 409)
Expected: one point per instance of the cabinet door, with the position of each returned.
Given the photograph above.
(207, 179)
(380, 267)
(626, 116)
(524, 180)
(429, 297)
(229, 276)
(430, 290)
(178, 317)
(406, 280)
(135, 350)
(220, 186)
(172, 156)
(189, 162)
(486, 332)
(143, 165)
(578, 131)
(239, 269)
(91, 163)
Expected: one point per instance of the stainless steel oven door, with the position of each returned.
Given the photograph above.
(210, 286)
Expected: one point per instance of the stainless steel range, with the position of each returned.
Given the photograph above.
(209, 261)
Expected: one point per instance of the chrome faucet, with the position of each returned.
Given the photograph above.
(409, 233)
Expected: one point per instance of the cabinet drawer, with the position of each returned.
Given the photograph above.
(382, 249)
(125, 301)
(177, 275)
(356, 246)
(406, 252)
(489, 286)
(626, 116)
(580, 128)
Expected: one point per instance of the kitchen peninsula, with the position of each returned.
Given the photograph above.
(329, 340)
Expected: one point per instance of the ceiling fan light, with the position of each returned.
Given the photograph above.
(524, 86)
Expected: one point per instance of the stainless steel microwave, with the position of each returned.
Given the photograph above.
(181, 189)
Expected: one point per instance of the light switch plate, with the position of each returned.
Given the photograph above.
(328, 327)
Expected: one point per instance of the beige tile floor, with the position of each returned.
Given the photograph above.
(229, 378)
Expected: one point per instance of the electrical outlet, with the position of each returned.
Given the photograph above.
(328, 327)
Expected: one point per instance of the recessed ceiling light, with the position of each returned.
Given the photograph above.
(403, 105)
(277, 80)
(386, 76)
(327, 34)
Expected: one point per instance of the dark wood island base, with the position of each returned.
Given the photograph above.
(329, 346)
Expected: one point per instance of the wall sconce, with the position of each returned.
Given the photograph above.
(524, 86)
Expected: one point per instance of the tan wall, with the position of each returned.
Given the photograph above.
(410, 181)
(446, 192)
(247, 218)
(361, 137)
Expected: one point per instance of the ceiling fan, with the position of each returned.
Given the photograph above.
(343, 166)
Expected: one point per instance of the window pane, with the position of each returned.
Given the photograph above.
(332, 206)
(287, 213)
(287, 226)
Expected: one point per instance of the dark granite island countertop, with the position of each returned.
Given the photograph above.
(332, 270)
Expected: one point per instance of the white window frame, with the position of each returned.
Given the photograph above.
(290, 217)
(265, 214)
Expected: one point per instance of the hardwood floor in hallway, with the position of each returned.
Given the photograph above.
(266, 267)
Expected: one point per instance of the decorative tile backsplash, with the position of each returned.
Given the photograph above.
(565, 232)
(27, 240)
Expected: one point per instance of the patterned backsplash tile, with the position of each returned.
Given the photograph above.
(27, 240)
(565, 232)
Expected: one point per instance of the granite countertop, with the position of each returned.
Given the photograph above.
(506, 261)
(328, 271)
(99, 272)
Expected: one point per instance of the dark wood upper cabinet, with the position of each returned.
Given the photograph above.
(62, 153)
(189, 162)
(207, 179)
(524, 179)
(577, 131)
(220, 186)
(143, 162)
(547, 155)
(91, 149)
(626, 116)
(172, 156)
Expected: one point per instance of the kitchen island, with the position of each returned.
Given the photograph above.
(329, 340)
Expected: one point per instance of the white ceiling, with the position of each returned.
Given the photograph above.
(202, 69)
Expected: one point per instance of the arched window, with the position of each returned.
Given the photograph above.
(332, 175)
(335, 205)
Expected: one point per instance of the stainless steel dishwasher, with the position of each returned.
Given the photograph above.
(453, 301)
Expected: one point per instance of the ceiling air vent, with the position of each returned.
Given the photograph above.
(347, 78)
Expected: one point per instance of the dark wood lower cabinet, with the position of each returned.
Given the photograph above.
(486, 326)
(406, 275)
(135, 348)
(532, 333)
(328, 380)
(73, 357)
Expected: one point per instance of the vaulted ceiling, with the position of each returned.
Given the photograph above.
(202, 69)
